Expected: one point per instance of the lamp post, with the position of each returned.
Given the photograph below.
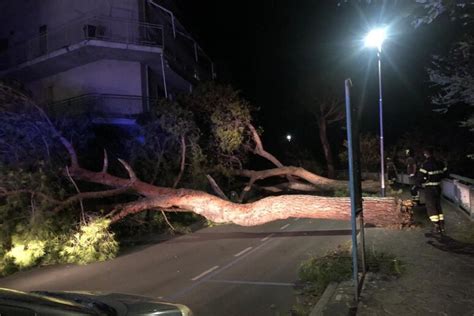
(375, 38)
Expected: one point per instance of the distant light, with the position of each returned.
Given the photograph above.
(376, 37)
(288, 137)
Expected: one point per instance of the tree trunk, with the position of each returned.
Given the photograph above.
(378, 211)
(326, 147)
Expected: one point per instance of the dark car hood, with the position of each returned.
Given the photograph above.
(121, 304)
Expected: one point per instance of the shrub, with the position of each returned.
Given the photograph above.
(334, 267)
(93, 242)
(317, 272)
(26, 252)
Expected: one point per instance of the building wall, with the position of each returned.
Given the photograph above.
(21, 22)
(21, 19)
(100, 77)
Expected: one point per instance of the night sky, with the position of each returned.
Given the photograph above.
(266, 48)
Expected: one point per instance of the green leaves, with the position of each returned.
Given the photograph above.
(44, 243)
(93, 242)
(229, 126)
(213, 120)
(25, 252)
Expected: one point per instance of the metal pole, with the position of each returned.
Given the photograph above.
(382, 159)
(167, 11)
(195, 52)
(163, 76)
(355, 266)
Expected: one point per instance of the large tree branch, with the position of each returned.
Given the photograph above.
(215, 187)
(89, 195)
(318, 181)
(61, 204)
(286, 186)
(183, 160)
(259, 150)
(56, 133)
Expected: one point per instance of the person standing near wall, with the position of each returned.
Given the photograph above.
(411, 172)
(391, 171)
(429, 178)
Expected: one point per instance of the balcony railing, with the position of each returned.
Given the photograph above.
(101, 105)
(179, 48)
(187, 56)
(93, 28)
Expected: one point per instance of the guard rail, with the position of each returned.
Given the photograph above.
(455, 188)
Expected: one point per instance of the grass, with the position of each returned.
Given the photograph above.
(316, 273)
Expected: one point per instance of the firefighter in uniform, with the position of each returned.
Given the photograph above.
(429, 178)
(411, 172)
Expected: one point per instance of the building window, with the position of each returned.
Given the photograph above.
(43, 40)
(3, 44)
(50, 94)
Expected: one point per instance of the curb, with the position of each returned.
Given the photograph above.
(337, 299)
(322, 302)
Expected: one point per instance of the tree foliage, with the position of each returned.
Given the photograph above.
(452, 73)
(196, 134)
(92, 242)
(223, 116)
(369, 152)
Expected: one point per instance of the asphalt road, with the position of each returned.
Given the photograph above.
(221, 270)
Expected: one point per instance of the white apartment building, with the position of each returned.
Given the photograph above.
(110, 57)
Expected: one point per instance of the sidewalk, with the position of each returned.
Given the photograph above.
(438, 277)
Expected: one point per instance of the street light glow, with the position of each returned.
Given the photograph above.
(288, 137)
(375, 38)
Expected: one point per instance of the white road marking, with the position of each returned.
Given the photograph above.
(243, 251)
(252, 282)
(266, 238)
(205, 272)
(284, 226)
(215, 272)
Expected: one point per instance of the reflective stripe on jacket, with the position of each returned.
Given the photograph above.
(431, 173)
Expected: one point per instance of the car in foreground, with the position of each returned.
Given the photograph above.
(17, 303)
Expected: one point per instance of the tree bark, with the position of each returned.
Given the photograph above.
(326, 147)
(319, 182)
(378, 211)
(259, 150)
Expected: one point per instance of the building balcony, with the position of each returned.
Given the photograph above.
(80, 42)
(186, 57)
(90, 39)
(103, 108)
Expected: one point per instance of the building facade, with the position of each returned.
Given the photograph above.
(112, 58)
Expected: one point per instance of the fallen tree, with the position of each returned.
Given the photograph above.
(378, 211)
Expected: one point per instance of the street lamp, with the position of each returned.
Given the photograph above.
(288, 137)
(375, 38)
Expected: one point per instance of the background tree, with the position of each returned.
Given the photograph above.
(326, 108)
(451, 73)
(369, 153)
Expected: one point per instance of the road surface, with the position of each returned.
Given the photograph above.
(221, 270)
